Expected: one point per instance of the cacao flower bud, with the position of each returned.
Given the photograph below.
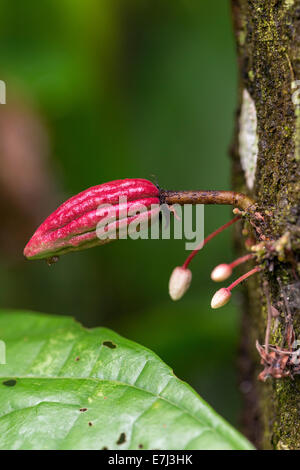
(179, 283)
(107, 207)
(221, 297)
(221, 272)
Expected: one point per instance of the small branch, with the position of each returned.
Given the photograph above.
(289, 330)
(267, 337)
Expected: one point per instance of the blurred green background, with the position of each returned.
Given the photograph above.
(107, 89)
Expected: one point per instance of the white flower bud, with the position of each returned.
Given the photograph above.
(221, 272)
(179, 283)
(220, 298)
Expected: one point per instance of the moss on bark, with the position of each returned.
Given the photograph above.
(268, 48)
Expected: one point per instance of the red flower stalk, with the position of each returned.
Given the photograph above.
(181, 276)
(73, 226)
(207, 239)
(222, 296)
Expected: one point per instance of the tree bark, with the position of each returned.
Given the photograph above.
(266, 166)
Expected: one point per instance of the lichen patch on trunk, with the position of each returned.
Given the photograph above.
(296, 100)
(248, 139)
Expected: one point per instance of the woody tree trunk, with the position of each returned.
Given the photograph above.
(266, 165)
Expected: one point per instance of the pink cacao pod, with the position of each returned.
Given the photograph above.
(73, 226)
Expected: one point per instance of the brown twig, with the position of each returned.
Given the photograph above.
(289, 330)
(208, 197)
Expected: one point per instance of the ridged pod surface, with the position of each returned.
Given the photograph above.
(73, 225)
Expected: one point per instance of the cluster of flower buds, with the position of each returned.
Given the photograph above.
(222, 296)
(181, 276)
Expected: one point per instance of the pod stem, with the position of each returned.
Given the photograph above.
(240, 200)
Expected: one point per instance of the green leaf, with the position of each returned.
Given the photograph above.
(67, 387)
